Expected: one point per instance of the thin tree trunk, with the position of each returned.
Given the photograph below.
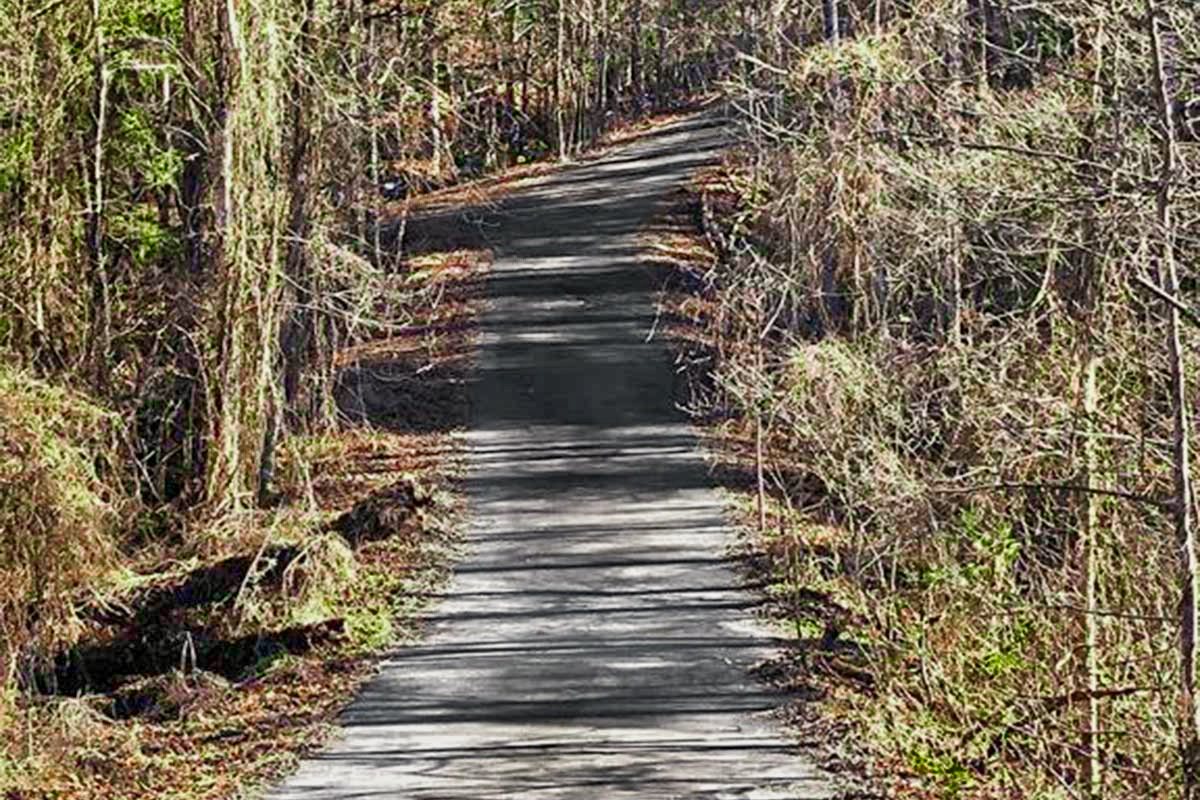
(560, 125)
(830, 306)
(1086, 290)
(602, 98)
(511, 59)
(298, 327)
(959, 78)
(372, 98)
(635, 54)
(1091, 532)
(525, 64)
(101, 305)
(660, 59)
(1189, 723)
(435, 111)
(759, 433)
(585, 111)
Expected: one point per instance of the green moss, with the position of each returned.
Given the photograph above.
(370, 629)
(951, 777)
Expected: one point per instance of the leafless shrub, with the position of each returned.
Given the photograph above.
(951, 224)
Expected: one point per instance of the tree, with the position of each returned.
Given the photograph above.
(1189, 730)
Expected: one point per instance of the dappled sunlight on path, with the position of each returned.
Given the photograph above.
(595, 643)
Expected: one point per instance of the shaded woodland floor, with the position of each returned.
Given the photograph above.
(212, 672)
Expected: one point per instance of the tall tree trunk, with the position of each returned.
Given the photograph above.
(1091, 568)
(371, 96)
(225, 483)
(602, 67)
(298, 328)
(429, 21)
(955, 256)
(585, 114)
(830, 305)
(1088, 281)
(635, 54)
(525, 69)
(101, 302)
(660, 61)
(560, 96)
(1189, 722)
(513, 58)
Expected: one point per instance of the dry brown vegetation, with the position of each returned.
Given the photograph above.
(62, 507)
(937, 309)
(201, 665)
(229, 367)
(942, 321)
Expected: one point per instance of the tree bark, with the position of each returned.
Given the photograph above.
(1189, 723)
(101, 302)
(560, 96)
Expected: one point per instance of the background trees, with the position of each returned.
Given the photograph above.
(968, 215)
(193, 230)
(971, 224)
(177, 178)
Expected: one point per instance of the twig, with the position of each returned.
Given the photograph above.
(1187, 313)
(46, 9)
(1069, 487)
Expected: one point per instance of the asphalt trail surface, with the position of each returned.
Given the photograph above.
(594, 644)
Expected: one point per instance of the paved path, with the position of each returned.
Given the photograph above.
(594, 645)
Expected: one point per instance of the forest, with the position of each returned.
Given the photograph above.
(939, 302)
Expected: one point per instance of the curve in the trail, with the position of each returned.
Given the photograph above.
(595, 643)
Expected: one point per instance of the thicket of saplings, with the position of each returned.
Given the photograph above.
(968, 251)
(187, 206)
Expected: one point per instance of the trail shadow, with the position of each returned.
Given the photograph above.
(184, 623)
(596, 641)
(160, 650)
(208, 585)
(412, 392)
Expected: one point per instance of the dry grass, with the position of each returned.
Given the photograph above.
(915, 549)
(256, 672)
(943, 270)
(219, 664)
(61, 505)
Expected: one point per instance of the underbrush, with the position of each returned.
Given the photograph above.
(172, 656)
(921, 533)
(62, 504)
(224, 665)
